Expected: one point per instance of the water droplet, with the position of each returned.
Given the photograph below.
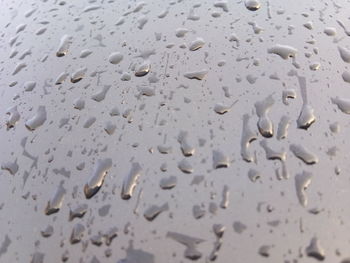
(185, 166)
(48, 231)
(282, 130)
(89, 122)
(91, 8)
(330, 31)
(13, 118)
(253, 175)
(85, 53)
(79, 104)
(239, 227)
(302, 182)
(29, 85)
(130, 181)
(101, 94)
(153, 211)
(61, 78)
(78, 75)
(271, 154)
(97, 178)
(343, 104)
(252, 5)
(315, 66)
(191, 243)
(220, 160)
(115, 58)
(38, 119)
(283, 51)
(199, 75)
(309, 25)
(110, 127)
(168, 182)
(306, 117)
(265, 251)
(63, 47)
(11, 167)
(20, 28)
(55, 203)
(19, 67)
(315, 250)
(196, 44)
(265, 125)
(303, 154)
(248, 136)
(40, 31)
(225, 197)
(344, 54)
(181, 32)
(288, 94)
(220, 108)
(142, 20)
(186, 148)
(77, 233)
(143, 69)
(78, 212)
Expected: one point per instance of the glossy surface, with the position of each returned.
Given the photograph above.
(173, 131)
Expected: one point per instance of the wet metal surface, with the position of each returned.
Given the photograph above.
(173, 131)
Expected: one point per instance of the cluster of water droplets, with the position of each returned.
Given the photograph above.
(168, 131)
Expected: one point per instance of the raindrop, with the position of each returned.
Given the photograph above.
(344, 54)
(77, 233)
(252, 5)
(343, 104)
(101, 94)
(302, 182)
(115, 58)
(168, 182)
(98, 175)
(199, 75)
(29, 85)
(63, 47)
(288, 94)
(220, 160)
(191, 243)
(61, 78)
(248, 136)
(38, 119)
(196, 44)
(153, 211)
(282, 130)
(303, 154)
(253, 175)
(55, 203)
(19, 67)
(315, 250)
(185, 166)
(130, 181)
(13, 118)
(78, 75)
(78, 212)
(283, 51)
(330, 31)
(143, 69)
(48, 231)
(85, 52)
(239, 227)
(265, 125)
(186, 148)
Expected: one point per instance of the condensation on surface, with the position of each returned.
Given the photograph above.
(173, 131)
